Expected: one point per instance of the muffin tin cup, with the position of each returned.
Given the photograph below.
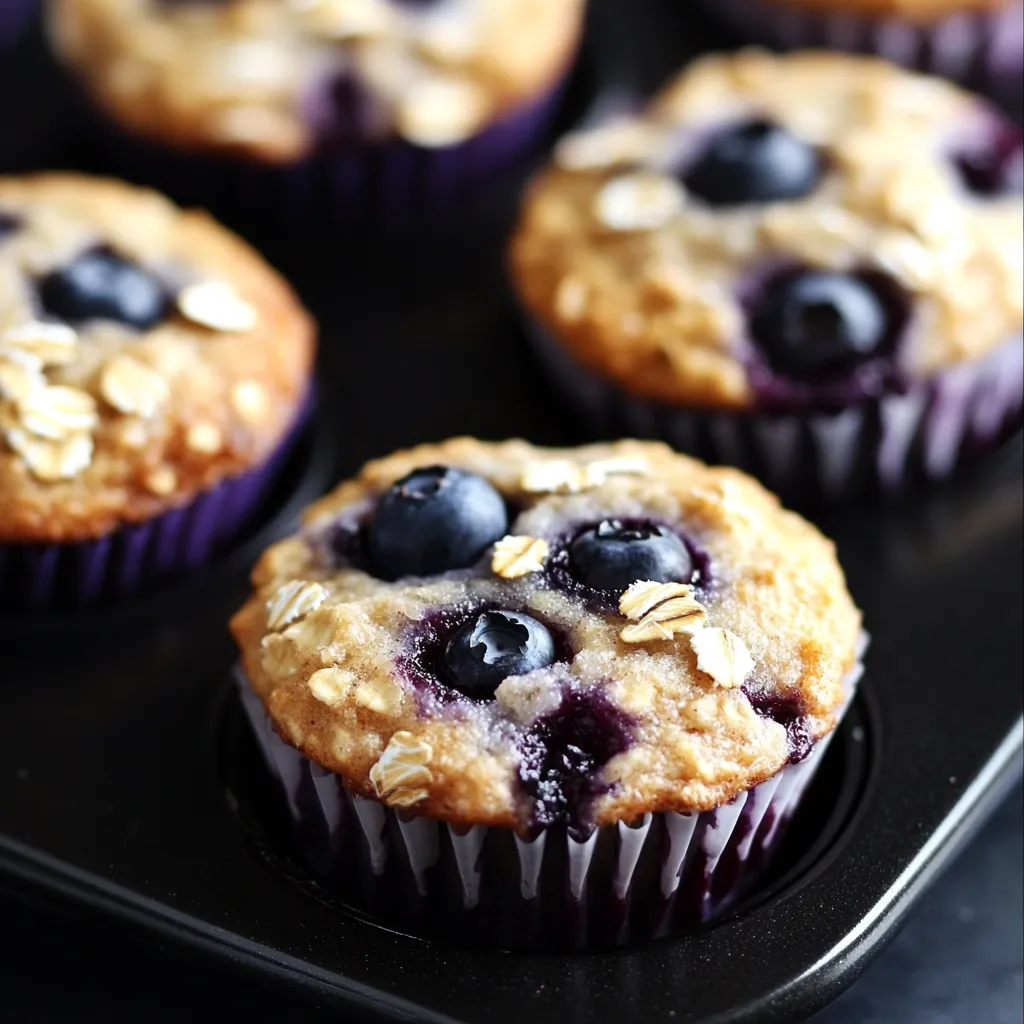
(983, 49)
(14, 18)
(623, 884)
(47, 577)
(381, 186)
(882, 446)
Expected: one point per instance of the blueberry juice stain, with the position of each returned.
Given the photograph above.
(787, 712)
(563, 755)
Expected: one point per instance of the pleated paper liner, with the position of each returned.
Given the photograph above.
(622, 884)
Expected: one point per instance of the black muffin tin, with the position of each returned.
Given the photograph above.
(129, 783)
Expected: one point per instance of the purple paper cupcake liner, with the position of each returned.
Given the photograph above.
(15, 16)
(984, 50)
(379, 186)
(45, 577)
(881, 446)
(622, 885)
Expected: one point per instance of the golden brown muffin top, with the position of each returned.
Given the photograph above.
(255, 77)
(658, 686)
(103, 423)
(643, 281)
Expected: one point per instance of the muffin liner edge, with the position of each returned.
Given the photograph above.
(380, 186)
(41, 577)
(883, 444)
(624, 883)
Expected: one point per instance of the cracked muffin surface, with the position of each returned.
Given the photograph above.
(507, 635)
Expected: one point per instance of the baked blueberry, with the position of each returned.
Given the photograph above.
(817, 325)
(100, 284)
(753, 162)
(564, 753)
(997, 168)
(614, 554)
(493, 646)
(9, 223)
(434, 520)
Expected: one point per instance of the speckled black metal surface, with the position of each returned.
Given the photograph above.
(110, 791)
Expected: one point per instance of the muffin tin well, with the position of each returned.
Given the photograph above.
(124, 773)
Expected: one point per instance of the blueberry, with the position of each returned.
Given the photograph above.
(753, 162)
(996, 168)
(102, 285)
(493, 646)
(816, 325)
(613, 555)
(434, 520)
(9, 223)
(342, 111)
(564, 754)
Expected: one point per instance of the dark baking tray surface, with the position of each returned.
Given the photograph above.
(124, 776)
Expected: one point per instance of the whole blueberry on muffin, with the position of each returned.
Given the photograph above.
(809, 266)
(539, 696)
(152, 371)
(334, 107)
(979, 43)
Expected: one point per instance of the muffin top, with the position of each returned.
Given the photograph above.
(508, 635)
(269, 79)
(802, 231)
(145, 355)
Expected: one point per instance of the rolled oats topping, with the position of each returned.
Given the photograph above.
(258, 78)
(796, 231)
(617, 649)
(519, 556)
(216, 304)
(132, 387)
(659, 611)
(402, 776)
(52, 344)
(293, 601)
(145, 355)
(723, 656)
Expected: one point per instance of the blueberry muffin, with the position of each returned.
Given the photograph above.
(545, 697)
(152, 370)
(808, 266)
(979, 43)
(326, 106)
